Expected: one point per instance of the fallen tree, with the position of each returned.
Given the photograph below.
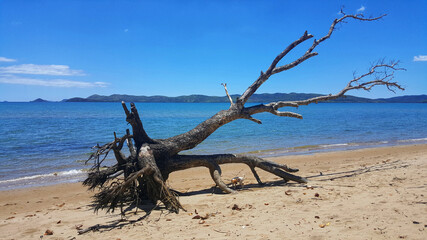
(143, 173)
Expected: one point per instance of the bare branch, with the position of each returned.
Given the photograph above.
(117, 147)
(287, 114)
(131, 147)
(308, 54)
(181, 162)
(125, 108)
(277, 105)
(198, 134)
(258, 179)
(226, 92)
(279, 57)
(294, 63)
(249, 117)
(134, 120)
(100, 150)
(273, 109)
(215, 171)
(335, 22)
(382, 74)
(264, 76)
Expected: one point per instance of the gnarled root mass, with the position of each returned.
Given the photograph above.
(129, 183)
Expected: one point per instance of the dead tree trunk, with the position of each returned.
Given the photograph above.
(143, 173)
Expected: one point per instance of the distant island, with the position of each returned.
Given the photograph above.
(256, 98)
(40, 100)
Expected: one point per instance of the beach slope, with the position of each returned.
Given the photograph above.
(377, 193)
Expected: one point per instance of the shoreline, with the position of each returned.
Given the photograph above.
(78, 175)
(374, 193)
(290, 157)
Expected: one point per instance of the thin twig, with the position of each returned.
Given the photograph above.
(226, 92)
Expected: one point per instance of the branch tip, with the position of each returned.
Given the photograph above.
(226, 92)
(125, 108)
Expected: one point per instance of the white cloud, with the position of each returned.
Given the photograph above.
(55, 70)
(361, 9)
(420, 58)
(10, 79)
(3, 59)
(126, 30)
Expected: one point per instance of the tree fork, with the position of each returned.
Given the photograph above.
(132, 117)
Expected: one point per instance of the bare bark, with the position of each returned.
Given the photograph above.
(226, 92)
(132, 117)
(143, 173)
(182, 162)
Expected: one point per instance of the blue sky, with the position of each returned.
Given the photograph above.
(62, 49)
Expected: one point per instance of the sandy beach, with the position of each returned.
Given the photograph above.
(377, 193)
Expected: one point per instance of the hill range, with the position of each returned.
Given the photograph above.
(256, 98)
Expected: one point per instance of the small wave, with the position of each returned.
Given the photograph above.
(413, 140)
(40, 176)
(71, 172)
(334, 145)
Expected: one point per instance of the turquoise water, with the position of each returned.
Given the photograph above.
(40, 139)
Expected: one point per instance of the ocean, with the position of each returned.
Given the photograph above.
(48, 143)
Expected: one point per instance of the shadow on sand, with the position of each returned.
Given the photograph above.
(330, 176)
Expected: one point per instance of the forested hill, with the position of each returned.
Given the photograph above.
(406, 99)
(258, 98)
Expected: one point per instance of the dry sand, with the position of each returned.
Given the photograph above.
(363, 194)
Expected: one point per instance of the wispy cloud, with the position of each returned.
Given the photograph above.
(55, 70)
(3, 59)
(361, 9)
(15, 75)
(10, 79)
(420, 58)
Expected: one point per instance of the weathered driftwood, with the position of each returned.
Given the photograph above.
(143, 173)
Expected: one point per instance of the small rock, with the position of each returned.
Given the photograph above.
(236, 207)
